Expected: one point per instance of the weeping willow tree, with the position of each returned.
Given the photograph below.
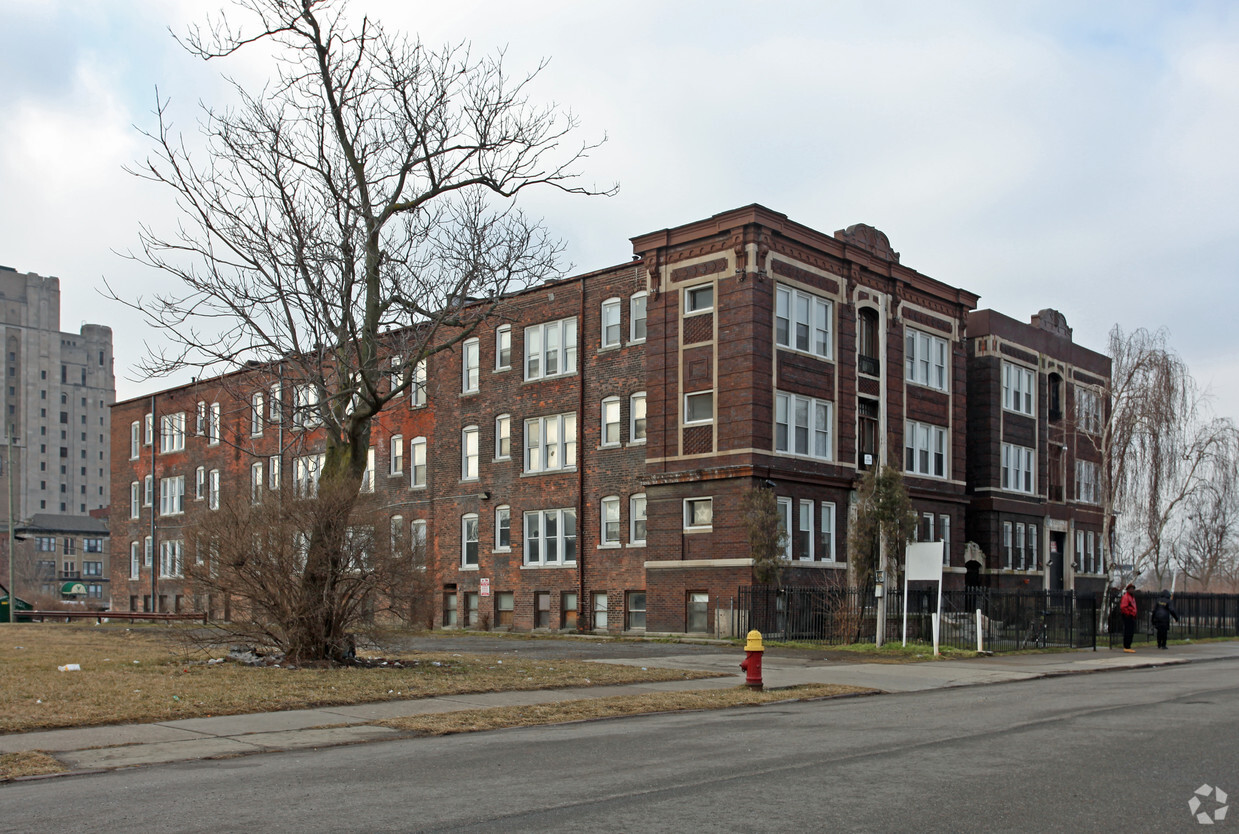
(343, 223)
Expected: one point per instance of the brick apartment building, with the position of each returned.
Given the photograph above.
(581, 461)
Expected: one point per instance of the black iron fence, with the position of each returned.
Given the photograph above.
(1004, 620)
(1200, 616)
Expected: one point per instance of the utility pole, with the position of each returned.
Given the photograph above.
(8, 463)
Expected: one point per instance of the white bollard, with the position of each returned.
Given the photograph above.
(979, 646)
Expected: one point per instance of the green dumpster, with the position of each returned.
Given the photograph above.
(21, 604)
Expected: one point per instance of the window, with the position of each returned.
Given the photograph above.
(148, 492)
(636, 519)
(45, 544)
(172, 432)
(697, 612)
(199, 483)
(636, 309)
(635, 611)
(172, 495)
(213, 489)
(1019, 388)
(148, 551)
(611, 323)
(449, 608)
(1087, 488)
(148, 425)
(699, 407)
(1092, 555)
(273, 407)
(542, 609)
(306, 469)
(134, 559)
(256, 483)
(1032, 546)
(550, 349)
(610, 521)
(699, 299)
(273, 472)
(470, 366)
(567, 609)
(802, 426)
(1008, 560)
(395, 456)
(611, 421)
(469, 540)
(417, 461)
(550, 537)
(1017, 469)
(213, 425)
(200, 423)
(867, 341)
(636, 418)
(1088, 410)
(550, 443)
(503, 437)
(599, 610)
(135, 440)
(925, 450)
(1019, 547)
(505, 601)
(698, 513)
(926, 359)
(503, 528)
(784, 507)
(396, 534)
(804, 536)
(170, 556)
(802, 322)
(92, 545)
(417, 385)
(257, 408)
(135, 500)
(503, 348)
(828, 530)
(305, 406)
(419, 538)
(944, 536)
(469, 453)
(1079, 557)
(367, 477)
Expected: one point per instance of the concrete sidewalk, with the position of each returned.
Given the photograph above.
(94, 748)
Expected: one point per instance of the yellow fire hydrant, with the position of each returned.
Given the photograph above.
(752, 660)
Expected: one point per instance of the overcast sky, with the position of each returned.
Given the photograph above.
(1081, 156)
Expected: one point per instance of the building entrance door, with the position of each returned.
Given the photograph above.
(1058, 547)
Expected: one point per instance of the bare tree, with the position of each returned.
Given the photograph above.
(882, 522)
(352, 218)
(1158, 446)
(767, 534)
(1206, 543)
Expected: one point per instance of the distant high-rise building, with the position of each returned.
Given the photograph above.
(58, 392)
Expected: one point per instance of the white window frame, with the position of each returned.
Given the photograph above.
(200, 425)
(1021, 559)
(697, 396)
(148, 429)
(807, 313)
(135, 500)
(172, 432)
(419, 536)
(692, 303)
(306, 471)
(944, 536)
(470, 366)
(503, 437)
(172, 495)
(1088, 487)
(171, 557)
(148, 491)
(274, 411)
(637, 418)
(257, 412)
(367, 477)
(1088, 410)
(417, 463)
(213, 489)
(503, 526)
(1019, 469)
(503, 344)
(537, 447)
(1008, 556)
(611, 324)
(535, 537)
(611, 424)
(818, 428)
(305, 406)
(609, 521)
(638, 523)
(926, 443)
(804, 524)
(783, 506)
(273, 472)
(1019, 389)
(691, 505)
(214, 427)
(470, 458)
(135, 440)
(395, 455)
(827, 509)
(256, 474)
(135, 559)
(466, 521)
(1033, 553)
(417, 387)
(537, 349)
(926, 359)
(637, 306)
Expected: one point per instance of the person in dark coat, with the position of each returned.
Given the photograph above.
(1162, 612)
(1127, 608)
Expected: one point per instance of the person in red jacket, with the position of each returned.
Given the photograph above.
(1127, 608)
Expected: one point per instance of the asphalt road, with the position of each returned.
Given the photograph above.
(1119, 751)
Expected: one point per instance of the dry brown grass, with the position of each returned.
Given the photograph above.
(134, 675)
(28, 763)
(475, 720)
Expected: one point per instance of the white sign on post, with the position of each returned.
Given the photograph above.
(923, 563)
(484, 586)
